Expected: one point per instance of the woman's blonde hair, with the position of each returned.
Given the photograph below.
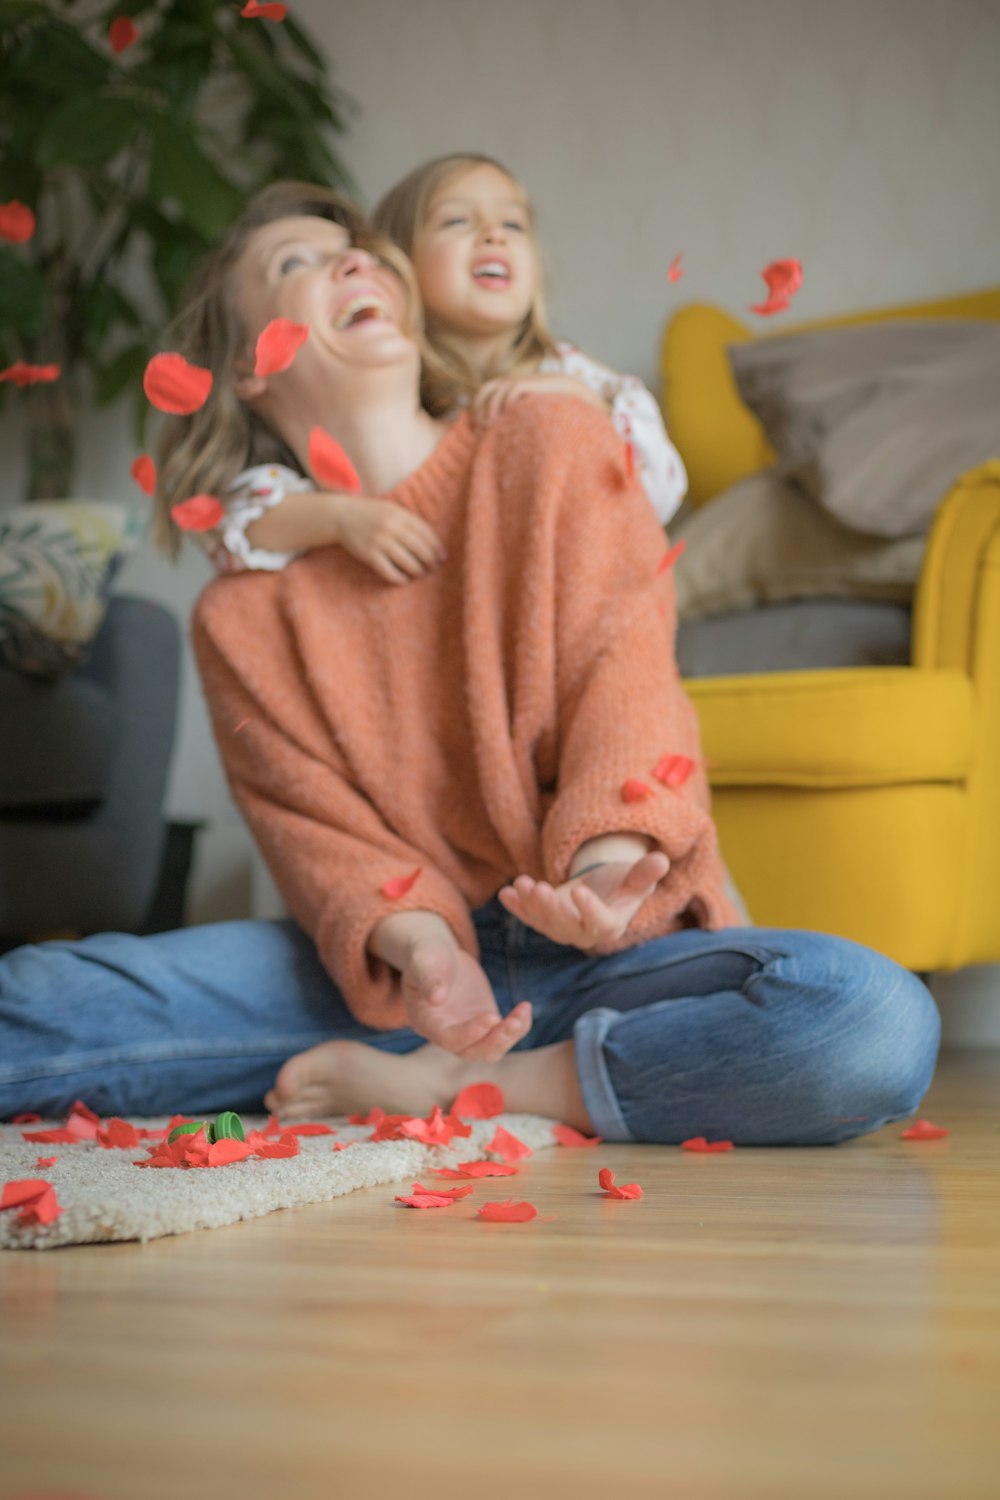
(447, 374)
(204, 452)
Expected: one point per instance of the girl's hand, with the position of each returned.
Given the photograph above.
(589, 910)
(390, 539)
(495, 396)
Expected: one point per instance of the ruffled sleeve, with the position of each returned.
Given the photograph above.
(636, 415)
(253, 492)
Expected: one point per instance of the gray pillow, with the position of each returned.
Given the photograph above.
(765, 540)
(877, 421)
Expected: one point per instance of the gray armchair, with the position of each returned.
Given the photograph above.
(83, 771)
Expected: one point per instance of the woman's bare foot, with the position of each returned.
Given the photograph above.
(343, 1078)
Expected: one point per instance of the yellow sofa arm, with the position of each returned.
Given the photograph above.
(957, 626)
(717, 436)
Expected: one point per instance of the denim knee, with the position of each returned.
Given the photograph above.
(878, 1033)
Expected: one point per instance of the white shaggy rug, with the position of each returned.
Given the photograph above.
(104, 1196)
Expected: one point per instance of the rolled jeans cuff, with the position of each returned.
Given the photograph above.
(599, 1097)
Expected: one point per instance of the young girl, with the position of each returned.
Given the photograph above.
(468, 228)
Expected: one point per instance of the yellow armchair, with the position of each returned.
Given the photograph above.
(863, 802)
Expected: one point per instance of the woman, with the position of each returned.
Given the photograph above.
(400, 752)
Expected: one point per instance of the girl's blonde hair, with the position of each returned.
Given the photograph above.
(447, 374)
(204, 452)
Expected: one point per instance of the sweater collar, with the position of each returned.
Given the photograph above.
(428, 488)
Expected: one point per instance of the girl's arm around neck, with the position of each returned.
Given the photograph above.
(311, 518)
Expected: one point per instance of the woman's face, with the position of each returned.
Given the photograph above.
(305, 268)
(474, 254)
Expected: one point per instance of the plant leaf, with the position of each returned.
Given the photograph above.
(24, 302)
(179, 170)
(87, 131)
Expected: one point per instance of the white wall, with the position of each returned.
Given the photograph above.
(860, 136)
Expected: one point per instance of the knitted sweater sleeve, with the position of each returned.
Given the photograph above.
(326, 844)
(621, 705)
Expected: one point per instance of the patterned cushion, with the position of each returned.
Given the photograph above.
(57, 562)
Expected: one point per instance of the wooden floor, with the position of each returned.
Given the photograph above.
(766, 1323)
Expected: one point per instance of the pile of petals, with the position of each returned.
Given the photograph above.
(194, 1150)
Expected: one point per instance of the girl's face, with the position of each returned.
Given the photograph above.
(306, 269)
(474, 254)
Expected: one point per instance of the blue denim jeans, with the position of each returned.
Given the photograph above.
(758, 1036)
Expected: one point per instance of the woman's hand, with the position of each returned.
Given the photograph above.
(589, 910)
(494, 396)
(390, 539)
(450, 1002)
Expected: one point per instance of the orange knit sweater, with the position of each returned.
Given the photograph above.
(475, 723)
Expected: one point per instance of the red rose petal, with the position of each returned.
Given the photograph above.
(436, 1130)
(567, 1136)
(924, 1130)
(17, 222)
(699, 1143)
(122, 33)
(629, 462)
(24, 1190)
(268, 11)
(400, 884)
(426, 1200)
(508, 1212)
(278, 345)
(22, 374)
(41, 1210)
(674, 272)
(118, 1134)
(673, 770)
(669, 558)
(200, 513)
(452, 1193)
(508, 1146)
(478, 1101)
(479, 1169)
(635, 791)
(174, 386)
(628, 1189)
(372, 1118)
(58, 1137)
(27, 1119)
(46, 1161)
(330, 464)
(313, 1128)
(222, 1153)
(783, 278)
(143, 471)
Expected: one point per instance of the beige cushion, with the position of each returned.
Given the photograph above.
(764, 540)
(877, 422)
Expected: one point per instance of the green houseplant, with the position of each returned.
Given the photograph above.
(134, 161)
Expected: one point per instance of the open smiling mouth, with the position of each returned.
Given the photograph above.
(491, 273)
(359, 310)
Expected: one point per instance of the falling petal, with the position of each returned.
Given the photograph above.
(122, 33)
(635, 791)
(173, 385)
(278, 345)
(200, 513)
(17, 222)
(674, 272)
(330, 464)
(143, 471)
